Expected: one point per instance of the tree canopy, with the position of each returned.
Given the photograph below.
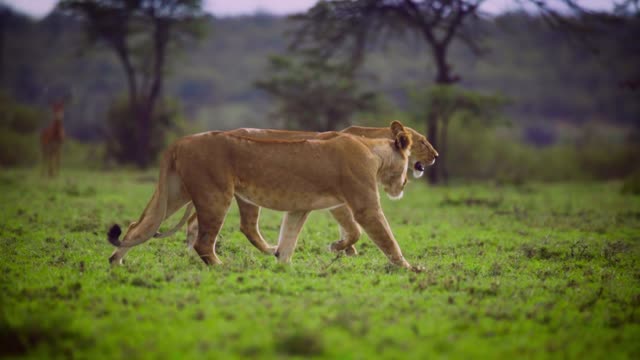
(139, 33)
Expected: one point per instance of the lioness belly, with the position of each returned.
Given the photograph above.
(288, 201)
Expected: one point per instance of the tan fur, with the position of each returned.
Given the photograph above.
(421, 151)
(295, 176)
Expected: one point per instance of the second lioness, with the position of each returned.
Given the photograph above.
(295, 176)
(422, 154)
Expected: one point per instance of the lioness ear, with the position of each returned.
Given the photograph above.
(403, 140)
(396, 128)
(401, 137)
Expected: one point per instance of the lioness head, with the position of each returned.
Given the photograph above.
(395, 177)
(422, 153)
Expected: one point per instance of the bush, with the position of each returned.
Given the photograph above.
(80, 155)
(18, 123)
(18, 118)
(479, 152)
(631, 184)
(18, 149)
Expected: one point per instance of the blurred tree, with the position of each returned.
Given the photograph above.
(313, 93)
(549, 82)
(121, 128)
(446, 101)
(594, 28)
(139, 32)
(5, 13)
(348, 26)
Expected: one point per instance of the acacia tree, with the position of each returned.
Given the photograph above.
(312, 93)
(139, 33)
(343, 27)
(608, 35)
(445, 102)
(347, 27)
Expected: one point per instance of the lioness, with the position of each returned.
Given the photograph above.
(422, 154)
(296, 176)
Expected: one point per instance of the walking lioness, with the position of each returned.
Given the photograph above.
(422, 154)
(296, 176)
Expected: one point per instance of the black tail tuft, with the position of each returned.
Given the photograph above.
(114, 234)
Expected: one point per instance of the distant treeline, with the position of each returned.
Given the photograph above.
(547, 75)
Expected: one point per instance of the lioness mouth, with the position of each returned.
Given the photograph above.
(418, 169)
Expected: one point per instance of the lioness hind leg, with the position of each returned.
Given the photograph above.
(117, 255)
(249, 219)
(349, 231)
(154, 214)
(211, 212)
(192, 229)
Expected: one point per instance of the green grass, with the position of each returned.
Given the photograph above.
(531, 271)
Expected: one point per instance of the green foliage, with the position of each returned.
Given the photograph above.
(447, 101)
(18, 149)
(18, 123)
(314, 94)
(18, 118)
(631, 184)
(439, 104)
(479, 152)
(534, 271)
(605, 158)
(78, 155)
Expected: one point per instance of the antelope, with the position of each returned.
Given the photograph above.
(51, 140)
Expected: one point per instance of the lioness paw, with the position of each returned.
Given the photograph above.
(351, 251)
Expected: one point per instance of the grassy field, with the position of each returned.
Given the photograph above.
(530, 271)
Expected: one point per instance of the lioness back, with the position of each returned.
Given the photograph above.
(315, 169)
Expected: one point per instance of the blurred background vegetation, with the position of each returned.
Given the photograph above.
(524, 95)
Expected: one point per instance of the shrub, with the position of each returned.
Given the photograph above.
(18, 149)
(631, 184)
(479, 152)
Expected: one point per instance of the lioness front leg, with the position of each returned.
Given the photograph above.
(291, 225)
(375, 224)
(349, 231)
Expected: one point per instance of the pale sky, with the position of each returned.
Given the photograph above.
(39, 8)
